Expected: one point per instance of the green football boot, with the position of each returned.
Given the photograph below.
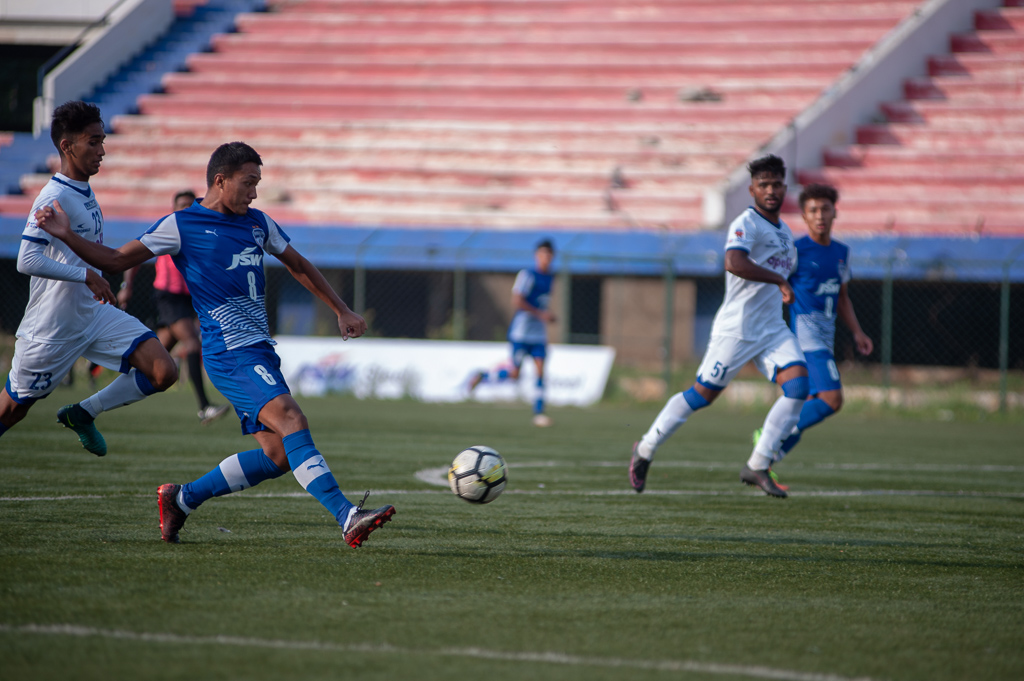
(76, 418)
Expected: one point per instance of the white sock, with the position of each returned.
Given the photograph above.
(348, 520)
(781, 419)
(181, 503)
(672, 415)
(780, 455)
(121, 391)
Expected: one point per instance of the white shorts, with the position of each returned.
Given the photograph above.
(726, 355)
(38, 367)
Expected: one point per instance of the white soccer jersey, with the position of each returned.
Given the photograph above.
(752, 309)
(60, 309)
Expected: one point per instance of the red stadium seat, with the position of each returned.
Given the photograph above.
(948, 160)
(521, 113)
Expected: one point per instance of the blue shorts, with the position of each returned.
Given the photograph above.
(248, 377)
(822, 371)
(521, 350)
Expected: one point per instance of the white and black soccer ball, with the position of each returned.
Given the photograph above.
(478, 475)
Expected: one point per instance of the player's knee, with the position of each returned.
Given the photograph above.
(797, 388)
(833, 399)
(163, 375)
(293, 420)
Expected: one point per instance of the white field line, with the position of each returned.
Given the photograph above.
(585, 493)
(438, 477)
(937, 467)
(552, 658)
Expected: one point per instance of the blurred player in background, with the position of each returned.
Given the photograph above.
(759, 255)
(528, 332)
(176, 318)
(820, 284)
(67, 315)
(218, 244)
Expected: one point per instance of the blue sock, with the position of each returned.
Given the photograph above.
(3, 429)
(312, 472)
(235, 473)
(538, 403)
(812, 413)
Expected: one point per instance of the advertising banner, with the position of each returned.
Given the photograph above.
(438, 371)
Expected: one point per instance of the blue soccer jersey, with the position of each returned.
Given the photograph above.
(535, 288)
(819, 274)
(221, 258)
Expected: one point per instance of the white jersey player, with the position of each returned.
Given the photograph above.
(72, 311)
(759, 255)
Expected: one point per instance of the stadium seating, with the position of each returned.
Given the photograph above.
(948, 159)
(504, 113)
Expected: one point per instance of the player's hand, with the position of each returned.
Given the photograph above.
(101, 290)
(787, 293)
(351, 325)
(123, 296)
(863, 343)
(548, 316)
(54, 221)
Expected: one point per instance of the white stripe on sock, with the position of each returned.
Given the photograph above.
(310, 469)
(231, 469)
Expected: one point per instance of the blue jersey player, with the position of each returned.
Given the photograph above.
(528, 331)
(820, 283)
(218, 244)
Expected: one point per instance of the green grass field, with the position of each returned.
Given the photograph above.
(899, 554)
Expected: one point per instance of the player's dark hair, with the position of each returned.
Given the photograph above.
(545, 243)
(228, 159)
(770, 164)
(819, 191)
(184, 193)
(72, 118)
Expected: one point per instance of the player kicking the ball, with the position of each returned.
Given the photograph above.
(218, 245)
(820, 284)
(71, 310)
(759, 256)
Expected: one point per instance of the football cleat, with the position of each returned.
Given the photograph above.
(541, 420)
(362, 523)
(775, 479)
(474, 381)
(172, 518)
(754, 438)
(638, 470)
(763, 480)
(76, 418)
(212, 412)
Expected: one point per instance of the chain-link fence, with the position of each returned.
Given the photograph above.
(930, 331)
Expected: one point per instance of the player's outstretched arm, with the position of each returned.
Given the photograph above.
(54, 221)
(349, 323)
(844, 308)
(32, 261)
(520, 303)
(738, 262)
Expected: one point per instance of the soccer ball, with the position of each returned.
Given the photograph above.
(478, 475)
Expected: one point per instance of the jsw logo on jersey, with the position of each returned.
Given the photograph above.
(247, 258)
(828, 288)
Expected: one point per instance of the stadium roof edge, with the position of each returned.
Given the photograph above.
(627, 253)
